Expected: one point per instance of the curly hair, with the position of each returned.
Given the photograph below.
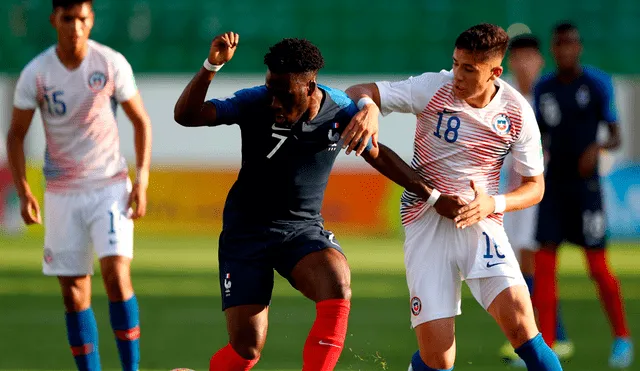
(485, 38)
(68, 3)
(294, 56)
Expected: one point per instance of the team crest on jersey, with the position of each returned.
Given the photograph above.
(416, 305)
(97, 81)
(583, 97)
(501, 124)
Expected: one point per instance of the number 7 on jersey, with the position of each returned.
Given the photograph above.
(281, 139)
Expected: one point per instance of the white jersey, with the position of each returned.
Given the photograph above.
(78, 111)
(456, 143)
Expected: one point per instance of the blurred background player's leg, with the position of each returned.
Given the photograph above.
(112, 235)
(82, 329)
(611, 298)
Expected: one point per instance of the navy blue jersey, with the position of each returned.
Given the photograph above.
(569, 116)
(284, 170)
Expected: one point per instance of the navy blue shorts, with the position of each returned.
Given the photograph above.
(572, 212)
(249, 255)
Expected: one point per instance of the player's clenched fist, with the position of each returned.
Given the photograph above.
(222, 48)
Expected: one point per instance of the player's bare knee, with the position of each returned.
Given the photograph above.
(247, 347)
(439, 359)
(75, 294)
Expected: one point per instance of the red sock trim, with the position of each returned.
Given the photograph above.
(227, 359)
(128, 335)
(82, 350)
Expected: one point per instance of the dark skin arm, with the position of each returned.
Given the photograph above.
(389, 164)
(191, 110)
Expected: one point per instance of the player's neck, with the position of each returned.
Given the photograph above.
(483, 99)
(569, 74)
(72, 59)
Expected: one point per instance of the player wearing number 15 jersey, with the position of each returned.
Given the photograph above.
(467, 121)
(291, 135)
(77, 84)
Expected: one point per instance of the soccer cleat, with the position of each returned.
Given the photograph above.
(564, 349)
(508, 354)
(621, 353)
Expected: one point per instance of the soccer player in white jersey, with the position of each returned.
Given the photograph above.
(89, 199)
(525, 63)
(467, 121)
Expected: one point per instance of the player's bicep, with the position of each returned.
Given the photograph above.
(395, 96)
(20, 123)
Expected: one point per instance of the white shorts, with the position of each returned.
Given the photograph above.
(521, 229)
(79, 223)
(438, 257)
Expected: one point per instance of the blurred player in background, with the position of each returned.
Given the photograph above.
(76, 84)
(291, 129)
(467, 121)
(525, 63)
(570, 104)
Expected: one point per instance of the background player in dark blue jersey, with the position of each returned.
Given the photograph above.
(291, 129)
(570, 104)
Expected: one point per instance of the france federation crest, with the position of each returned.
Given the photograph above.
(501, 124)
(97, 81)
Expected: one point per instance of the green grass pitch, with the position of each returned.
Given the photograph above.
(182, 325)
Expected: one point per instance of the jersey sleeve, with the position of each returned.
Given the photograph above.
(25, 96)
(234, 109)
(607, 102)
(528, 158)
(125, 82)
(411, 95)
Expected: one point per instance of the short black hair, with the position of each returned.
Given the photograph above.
(485, 38)
(526, 41)
(564, 26)
(294, 55)
(68, 3)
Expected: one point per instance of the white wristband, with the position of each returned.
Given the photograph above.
(211, 67)
(501, 204)
(433, 197)
(364, 101)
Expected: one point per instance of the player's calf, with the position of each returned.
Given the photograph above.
(82, 330)
(247, 326)
(123, 309)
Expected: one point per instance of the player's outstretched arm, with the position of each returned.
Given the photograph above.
(364, 125)
(191, 110)
(134, 109)
(389, 164)
(20, 123)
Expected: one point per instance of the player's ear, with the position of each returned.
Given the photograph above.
(311, 87)
(52, 18)
(496, 72)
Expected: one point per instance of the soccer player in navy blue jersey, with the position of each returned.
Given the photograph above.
(570, 104)
(291, 135)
